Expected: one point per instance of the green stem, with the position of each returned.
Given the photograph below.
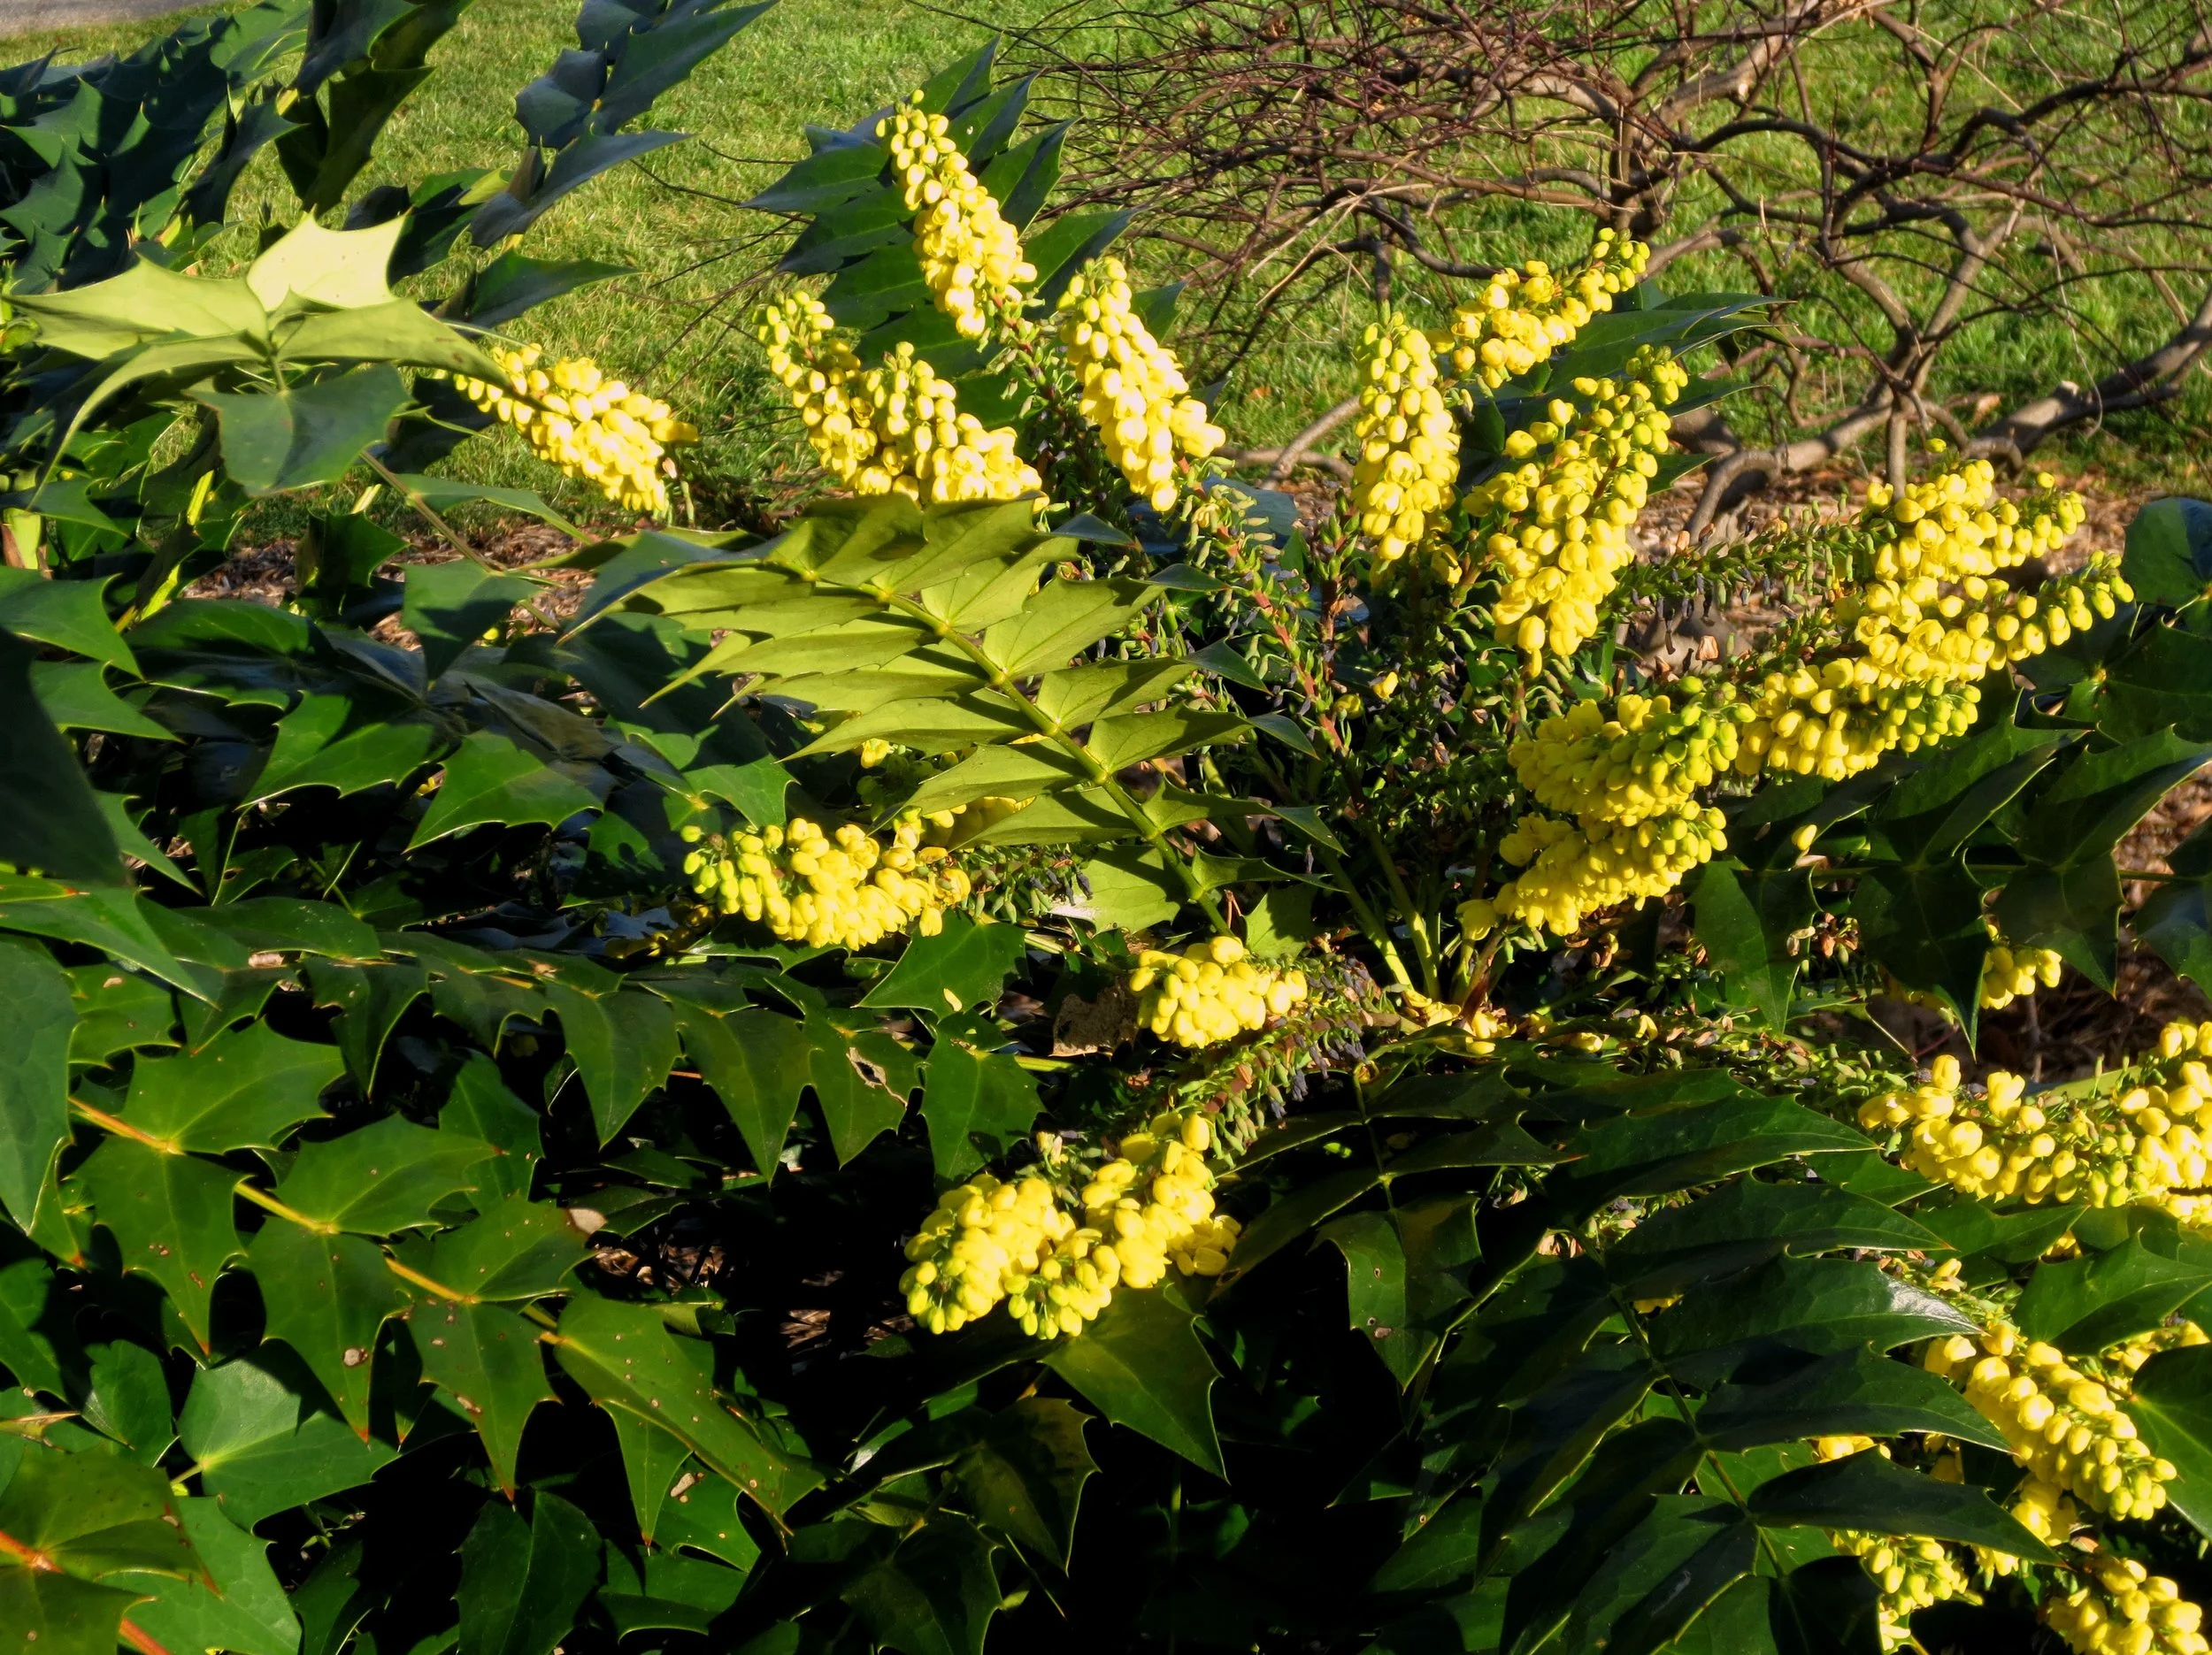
(1422, 950)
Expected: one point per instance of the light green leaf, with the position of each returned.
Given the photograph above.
(515, 1249)
(328, 1298)
(964, 965)
(35, 1079)
(263, 1448)
(118, 1010)
(1131, 889)
(345, 269)
(1062, 621)
(91, 1514)
(1140, 1364)
(491, 780)
(247, 1089)
(62, 1615)
(274, 440)
(244, 1611)
(386, 1177)
(129, 1399)
(171, 1217)
(2086, 1304)
(76, 696)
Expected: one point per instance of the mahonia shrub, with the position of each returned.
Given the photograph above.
(1042, 1053)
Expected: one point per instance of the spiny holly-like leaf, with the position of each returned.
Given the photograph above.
(1745, 919)
(60, 1614)
(34, 1078)
(1746, 1223)
(700, 1512)
(623, 1042)
(480, 1106)
(295, 437)
(243, 1609)
(171, 1217)
(385, 1177)
(2172, 1407)
(1868, 1490)
(1653, 1154)
(371, 1000)
(1403, 1276)
(1023, 1474)
(492, 781)
(36, 1319)
(756, 1062)
(1140, 1364)
(91, 1514)
(328, 1298)
(966, 964)
(861, 1078)
(977, 1102)
(626, 1357)
(1852, 1392)
(488, 1361)
(262, 1447)
(451, 606)
(129, 1399)
(2086, 1304)
(515, 1249)
(48, 819)
(935, 1595)
(652, 1461)
(244, 1090)
(522, 1584)
(1810, 1305)
(118, 1010)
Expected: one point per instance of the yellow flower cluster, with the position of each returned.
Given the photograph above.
(2046, 1511)
(893, 429)
(2144, 1144)
(2119, 1607)
(1647, 759)
(1210, 993)
(1571, 871)
(1409, 443)
(2064, 1427)
(2124, 1361)
(1153, 1202)
(595, 428)
(1132, 387)
(1019, 1243)
(1912, 1573)
(962, 822)
(1929, 624)
(827, 890)
(1555, 529)
(2010, 974)
(972, 256)
(1522, 316)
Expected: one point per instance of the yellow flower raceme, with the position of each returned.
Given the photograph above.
(1210, 993)
(1952, 524)
(2064, 1427)
(828, 890)
(1911, 1573)
(1409, 443)
(1154, 1203)
(1132, 387)
(594, 428)
(1522, 316)
(1647, 758)
(2119, 1607)
(893, 429)
(1571, 872)
(984, 1241)
(972, 256)
(2010, 974)
(964, 822)
(1555, 529)
(2144, 1144)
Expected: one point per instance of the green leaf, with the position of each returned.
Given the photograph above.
(35, 1079)
(1869, 1492)
(515, 1249)
(305, 435)
(1745, 920)
(700, 1512)
(76, 696)
(1811, 1304)
(129, 1399)
(480, 1106)
(2169, 556)
(171, 1217)
(451, 606)
(243, 1610)
(1662, 1152)
(386, 1177)
(36, 1320)
(652, 1461)
(263, 1448)
(291, 925)
(1142, 1365)
(1404, 1277)
(370, 1001)
(119, 923)
(756, 1062)
(67, 614)
(1852, 1392)
(2085, 1304)
(92, 1514)
(244, 1090)
(522, 1584)
(48, 819)
(626, 1357)
(1746, 1223)
(935, 1595)
(1023, 1474)
(2172, 1407)
(624, 1044)
(491, 780)
(486, 1359)
(336, 742)
(1971, 1229)
(1829, 1607)
(964, 965)
(328, 1298)
(976, 1103)
(118, 1010)
(1296, 1212)
(861, 1078)
(1925, 925)
(60, 1613)
(1655, 1579)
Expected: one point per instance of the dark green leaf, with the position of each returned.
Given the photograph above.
(2169, 556)
(370, 1001)
(386, 1177)
(129, 1400)
(1828, 1607)
(2085, 1304)
(1654, 1582)
(451, 606)
(244, 1090)
(624, 1044)
(976, 1103)
(486, 1359)
(171, 1217)
(1746, 1223)
(1023, 1474)
(118, 1010)
(2172, 1407)
(861, 1078)
(935, 1595)
(1869, 1492)
(91, 1514)
(517, 1249)
(1142, 1365)
(328, 1298)
(700, 1512)
(522, 1584)
(50, 820)
(67, 614)
(1852, 1392)
(60, 1613)
(1811, 1304)
(35, 1079)
(755, 1061)
(1405, 1276)
(1667, 1150)
(1745, 919)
